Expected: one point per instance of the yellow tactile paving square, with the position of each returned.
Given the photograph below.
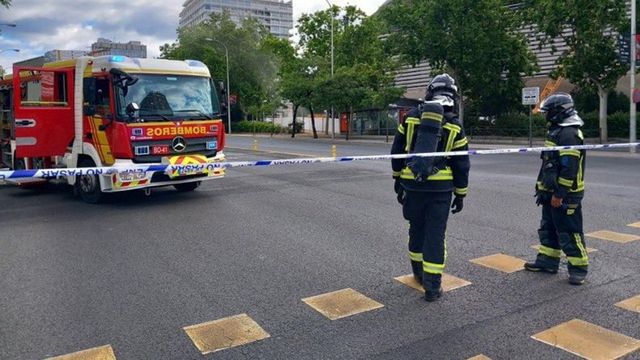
(588, 340)
(342, 303)
(449, 282)
(632, 304)
(98, 353)
(635, 225)
(589, 250)
(614, 236)
(501, 262)
(225, 333)
(479, 357)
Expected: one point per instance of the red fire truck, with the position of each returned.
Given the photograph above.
(113, 111)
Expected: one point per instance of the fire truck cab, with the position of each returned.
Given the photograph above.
(114, 111)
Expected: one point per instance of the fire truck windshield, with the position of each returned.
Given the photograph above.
(170, 97)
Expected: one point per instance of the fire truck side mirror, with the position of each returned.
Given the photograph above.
(132, 108)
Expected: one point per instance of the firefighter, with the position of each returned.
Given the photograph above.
(560, 189)
(425, 185)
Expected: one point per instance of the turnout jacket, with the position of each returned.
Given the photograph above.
(562, 172)
(454, 171)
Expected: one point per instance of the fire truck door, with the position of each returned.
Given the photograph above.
(44, 111)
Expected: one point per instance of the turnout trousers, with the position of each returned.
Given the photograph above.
(427, 213)
(561, 231)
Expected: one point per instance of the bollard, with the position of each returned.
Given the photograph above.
(255, 144)
(334, 151)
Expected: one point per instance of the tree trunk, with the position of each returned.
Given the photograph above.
(604, 134)
(313, 122)
(293, 125)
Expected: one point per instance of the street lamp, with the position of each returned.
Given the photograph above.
(226, 51)
(632, 109)
(333, 122)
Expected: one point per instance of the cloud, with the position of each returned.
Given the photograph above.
(78, 23)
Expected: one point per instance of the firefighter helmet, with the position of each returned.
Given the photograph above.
(557, 107)
(442, 89)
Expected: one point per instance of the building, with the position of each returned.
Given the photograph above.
(134, 49)
(275, 15)
(57, 55)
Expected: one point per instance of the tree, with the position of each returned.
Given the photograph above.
(589, 28)
(476, 41)
(253, 67)
(5, 3)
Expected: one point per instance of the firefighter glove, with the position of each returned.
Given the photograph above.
(457, 205)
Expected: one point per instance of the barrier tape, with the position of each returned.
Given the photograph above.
(56, 173)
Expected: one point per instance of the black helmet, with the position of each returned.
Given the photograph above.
(442, 86)
(557, 107)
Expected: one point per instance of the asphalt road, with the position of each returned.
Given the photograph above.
(134, 271)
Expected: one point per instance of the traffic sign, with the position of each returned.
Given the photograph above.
(530, 95)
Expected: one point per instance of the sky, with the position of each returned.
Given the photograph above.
(44, 25)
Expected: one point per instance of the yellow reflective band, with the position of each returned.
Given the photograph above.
(575, 153)
(401, 129)
(548, 143)
(583, 251)
(461, 191)
(460, 143)
(571, 211)
(397, 173)
(415, 256)
(540, 186)
(578, 261)
(446, 174)
(565, 182)
(432, 268)
(432, 116)
(550, 252)
(412, 122)
(452, 127)
(580, 135)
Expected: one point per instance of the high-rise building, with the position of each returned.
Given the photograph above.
(56, 55)
(275, 15)
(104, 46)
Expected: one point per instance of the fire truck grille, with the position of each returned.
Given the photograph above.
(143, 150)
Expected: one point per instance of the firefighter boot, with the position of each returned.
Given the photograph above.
(417, 271)
(577, 274)
(538, 266)
(548, 259)
(432, 286)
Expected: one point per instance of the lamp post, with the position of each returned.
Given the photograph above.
(226, 51)
(632, 109)
(333, 122)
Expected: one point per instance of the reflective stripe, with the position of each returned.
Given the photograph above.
(432, 116)
(575, 153)
(445, 174)
(396, 173)
(432, 268)
(583, 251)
(452, 127)
(461, 191)
(549, 143)
(565, 182)
(550, 252)
(415, 256)
(460, 143)
(576, 261)
(401, 129)
(580, 134)
(411, 124)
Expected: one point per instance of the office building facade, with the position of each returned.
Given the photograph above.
(275, 15)
(104, 46)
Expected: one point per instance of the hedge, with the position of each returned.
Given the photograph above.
(258, 127)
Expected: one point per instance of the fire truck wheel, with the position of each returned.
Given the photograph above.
(88, 186)
(186, 187)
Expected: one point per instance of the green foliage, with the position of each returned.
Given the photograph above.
(586, 100)
(253, 67)
(588, 27)
(5, 3)
(476, 41)
(618, 124)
(258, 127)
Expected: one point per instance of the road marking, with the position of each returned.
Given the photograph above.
(98, 353)
(225, 333)
(588, 340)
(614, 236)
(632, 304)
(342, 303)
(449, 282)
(479, 357)
(589, 250)
(635, 225)
(501, 262)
